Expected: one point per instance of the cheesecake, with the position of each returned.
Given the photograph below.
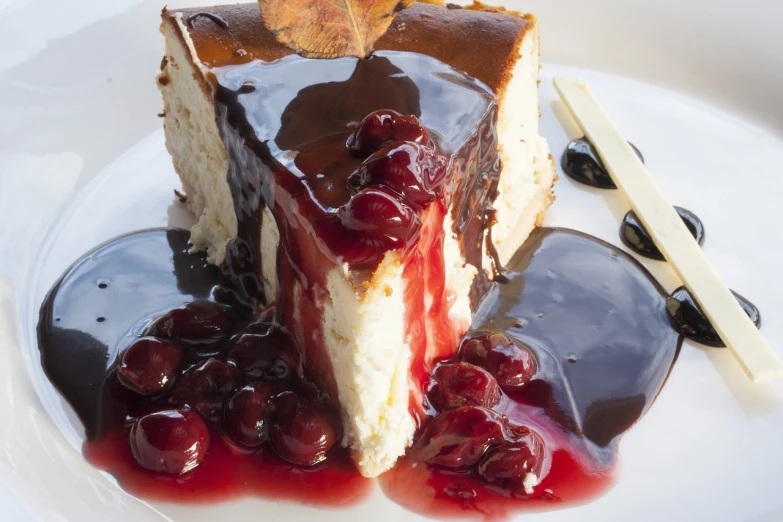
(372, 200)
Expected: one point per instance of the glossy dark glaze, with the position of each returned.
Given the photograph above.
(581, 163)
(103, 303)
(598, 322)
(692, 322)
(286, 132)
(599, 328)
(635, 236)
(595, 319)
(128, 282)
(285, 125)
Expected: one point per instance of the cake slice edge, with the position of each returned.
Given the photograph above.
(370, 355)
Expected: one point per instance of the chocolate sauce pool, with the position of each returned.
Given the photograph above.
(594, 316)
(102, 304)
(598, 324)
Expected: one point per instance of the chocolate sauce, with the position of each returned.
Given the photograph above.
(635, 236)
(596, 320)
(209, 16)
(692, 322)
(597, 323)
(103, 303)
(99, 308)
(581, 163)
(285, 125)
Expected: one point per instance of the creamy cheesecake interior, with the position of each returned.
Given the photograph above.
(250, 128)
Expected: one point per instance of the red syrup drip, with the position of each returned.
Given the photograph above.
(575, 477)
(437, 493)
(228, 473)
(432, 334)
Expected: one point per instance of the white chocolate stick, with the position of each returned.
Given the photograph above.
(670, 234)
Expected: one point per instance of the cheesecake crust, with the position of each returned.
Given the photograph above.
(233, 35)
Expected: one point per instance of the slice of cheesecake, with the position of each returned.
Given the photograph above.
(370, 198)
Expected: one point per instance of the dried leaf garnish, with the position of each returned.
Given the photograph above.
(330, 28)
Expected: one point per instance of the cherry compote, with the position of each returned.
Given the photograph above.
(413, 171)
(527, 415)
(463, 384)
(383, 127)
(264, 352)
(170, 441)
(511, 362)
(149, 365)
(244, 414)
(302, 431)
(192, 387)
(199, 324)
(405, 171)
(204, 387)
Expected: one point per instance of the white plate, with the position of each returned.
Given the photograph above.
(74, 107)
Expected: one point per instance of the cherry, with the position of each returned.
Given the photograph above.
(204, 388)
(508, 466)
(411, 170)
(172, 441)
(149, 365)
(243, 414)
(382, 127)
(375, 222)
(377, 212)
(302, 431)
(196, 323)
(511, 362)
(378, 222)
(264, 353)
(457, 439)
(463, 384)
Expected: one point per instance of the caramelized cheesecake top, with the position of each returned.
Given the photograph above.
(234, 34)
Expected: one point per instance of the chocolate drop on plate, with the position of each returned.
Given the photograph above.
(635, 236)
(691, 321)
(581, 163)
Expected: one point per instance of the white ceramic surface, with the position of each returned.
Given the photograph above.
(82, 159)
